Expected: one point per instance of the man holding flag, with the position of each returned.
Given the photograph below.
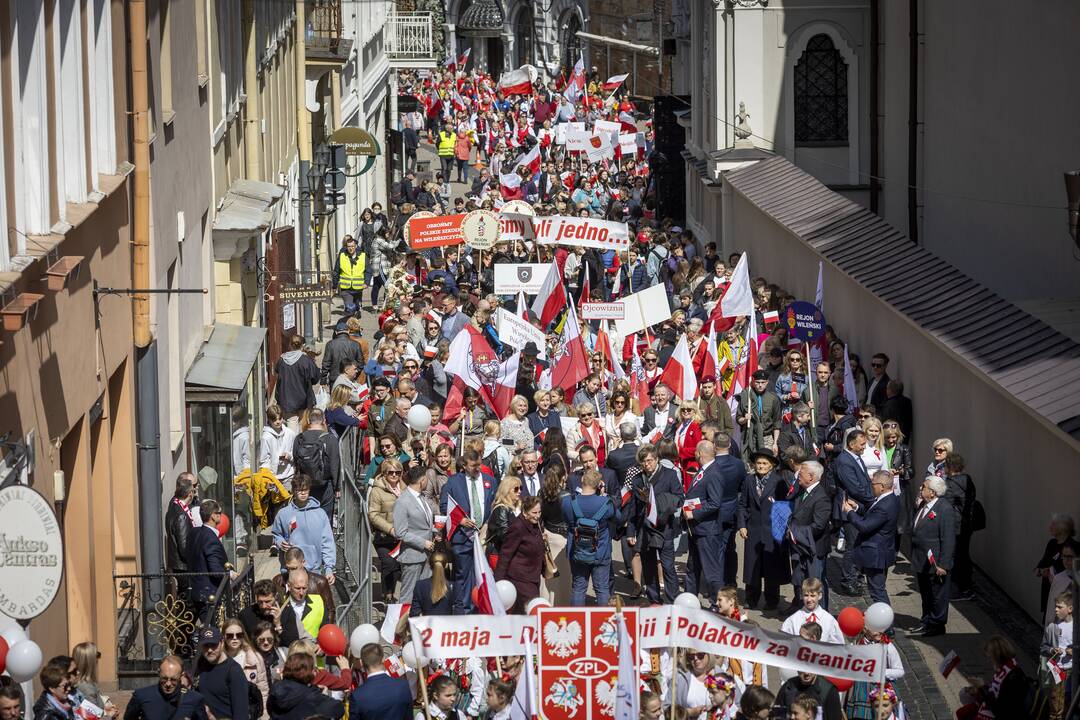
(473, 493)
(652, 525)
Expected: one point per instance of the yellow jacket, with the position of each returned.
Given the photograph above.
(446, 143)
(265, 489)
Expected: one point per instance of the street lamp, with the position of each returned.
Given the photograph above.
(1072, 190)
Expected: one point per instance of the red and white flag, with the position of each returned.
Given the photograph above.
(510, 186)
(930, 557)
(394, 613)
(395, 666)
(651, 515)
(454, 515)
(627, 493)
(525, 705)
(522, 309)
(627, 696)
(529, 160)
(771, 317)
(551, 298)
(679, 372)
(576, 85)
(463, 59)
(604, 345)
(639, 381)
(569, 362)
(516, 82)
(1056, 671)
(948, 663)
(475, 363)
(396, 551)
(629, 124)
(292, 525)
(691, 504)
(613, 82)
(487, 597)
(747, 362)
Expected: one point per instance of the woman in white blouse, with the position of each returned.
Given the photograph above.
(874, 455)
(618, 413)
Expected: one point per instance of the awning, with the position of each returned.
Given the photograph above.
(221, 369)
(243, 213)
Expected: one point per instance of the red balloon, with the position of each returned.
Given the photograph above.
(851, 621)
(476, 596)
(3, 654)
(223, 526)
(332, 640)
(841, 685)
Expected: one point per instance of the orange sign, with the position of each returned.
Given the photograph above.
(429, 232)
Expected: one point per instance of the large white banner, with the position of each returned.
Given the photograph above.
(577, 140)
(512, 278)
(582, 232)
(517, 333)
(458, 636)
(662, 627)
(644, 308)
(515, 226)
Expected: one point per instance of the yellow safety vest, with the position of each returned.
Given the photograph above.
(314, 619)
(446, 143)
(352, 273)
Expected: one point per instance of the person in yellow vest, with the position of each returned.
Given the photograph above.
(447, 140)
(349, 274)
(303, 613)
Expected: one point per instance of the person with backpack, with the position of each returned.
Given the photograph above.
(588, 544)
(316, 453)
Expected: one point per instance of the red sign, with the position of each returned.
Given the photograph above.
(429, 232)
(579, 661)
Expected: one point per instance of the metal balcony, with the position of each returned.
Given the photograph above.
(324, 44)
(409, 39)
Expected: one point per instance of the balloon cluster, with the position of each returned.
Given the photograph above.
(878, 618)
(19, 655)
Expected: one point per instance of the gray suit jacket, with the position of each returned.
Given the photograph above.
(412, 525)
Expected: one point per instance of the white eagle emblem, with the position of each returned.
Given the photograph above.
(608, 635)
(606, 692)
(564, 695)
(487, 370)
(562, 638)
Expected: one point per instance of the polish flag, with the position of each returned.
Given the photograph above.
(488, 601)
(395, 666)
(475, 363)
(454, 515)
(629, 124)
(396, 551)
(605, 346)
(679, 372)
(850, 394)
(627, 697)
(455, 401)
(463, 59)
(706, 361)
(394, 613)
(651, 515)
(522, 309)
(639, 381)
(525, 705)
(529, 160)
(576, 85)
(551, 299)
(948, 663)
(771, 317)
(292, 525)
(1056, 672)
(510, 186)
(737, 300)
(627, 492)
(613, 82)
(569, 362)
(516, 82)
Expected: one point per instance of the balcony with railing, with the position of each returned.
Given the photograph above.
(324, 41)
(410, 39)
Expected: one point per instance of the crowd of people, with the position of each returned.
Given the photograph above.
(605, 477)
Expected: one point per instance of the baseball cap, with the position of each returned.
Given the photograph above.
(209, 636)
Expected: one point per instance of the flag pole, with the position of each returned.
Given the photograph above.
(884, 660)
(811, 377)
(674, 661)
(422, 680)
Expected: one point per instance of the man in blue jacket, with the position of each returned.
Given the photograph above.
(474, 493)
(701, 511)
(206, 556)
(381, 697)
(167, 700)
(303, 524)
(853, 479)
(874, 547)
(588, 515)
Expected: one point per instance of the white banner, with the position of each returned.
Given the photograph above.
(628, 144)
(512, 278)
(644, 308)
(577, 140)
(705, 632)
(458, 636)
(600, 146)
(517, 333)
(603, 310)
(608, 127)
(515, 226)
(582, 232)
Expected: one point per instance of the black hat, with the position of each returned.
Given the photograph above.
(380, 381)
(209, 636)
(764, 453)
(530, 350)
(760, 375)
(342, 326)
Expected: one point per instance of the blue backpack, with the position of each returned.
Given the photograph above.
(586, 534)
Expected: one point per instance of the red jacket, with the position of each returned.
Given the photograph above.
(686, 447)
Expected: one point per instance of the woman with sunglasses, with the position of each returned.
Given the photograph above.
(618, 412)
(687, 436)
(506, 507)
(791, 383)
(587, 431)
(898, 459)
(941, 449)
(85, 678)
(266, 644)
(239, 648)
(694, 667)
(385, 491)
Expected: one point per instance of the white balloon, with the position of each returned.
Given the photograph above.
(410, 657)
(535, 603)
(879, 617)
(419, 418)
(23, 660)
(688, 600)
(365, 634)
(507, 593)
(13, 635)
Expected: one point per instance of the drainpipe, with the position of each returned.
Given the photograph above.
(252, 119)
(913, 120)
(140, 119)
(303, 149)
(875, 120)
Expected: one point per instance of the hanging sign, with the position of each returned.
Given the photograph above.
(514, 221)
(31, 553)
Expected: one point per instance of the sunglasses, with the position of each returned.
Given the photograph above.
(393, 472)
(410, 366)
(696, 656)
(586, 415)
(233, 636)
(650, 360)
(941, 450)
(865, 416)
(874, 364)
(618, 402)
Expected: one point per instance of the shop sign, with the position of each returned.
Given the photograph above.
(288, 293)
(31, 553)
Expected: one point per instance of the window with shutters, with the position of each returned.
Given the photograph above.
(821, 98)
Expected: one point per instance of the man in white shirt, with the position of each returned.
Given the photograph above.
(660, 415)
(531, 484)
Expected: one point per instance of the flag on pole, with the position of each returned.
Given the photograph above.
(1056, 671)
(639, 381)
(510, 186)
(737, 299)
(679, 372)
(771, 317)
(524, 706)
(849, 387)
(516, 82)
(475, 363)
(605, 346)
(463, 59)
(948, 663)
(488, 601)
(626, 693)
(529, 160)
(569, 363)
(819, 294)
(613, 82)
(394, 613)
(454, 515)
(522, 309)
(551, 298)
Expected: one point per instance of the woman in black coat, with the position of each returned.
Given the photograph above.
(521, 559)
(295, 698)
(898, 459)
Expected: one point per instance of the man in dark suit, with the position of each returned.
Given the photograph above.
(623, 457)
(179, 522)
(710, 510)
(661, 414)
(167, 699)
(874, 545)
(933, 542)
(532, 481)
(897, 406)
(808, 530)
(765, 561)
(609, 481)
(798, 432)
(381, 697)
(853, 479)
(474, 493)
(653, 533)
(206, 555)
(879, 380)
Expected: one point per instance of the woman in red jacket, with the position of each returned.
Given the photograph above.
(521, 559)
(687, 437)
